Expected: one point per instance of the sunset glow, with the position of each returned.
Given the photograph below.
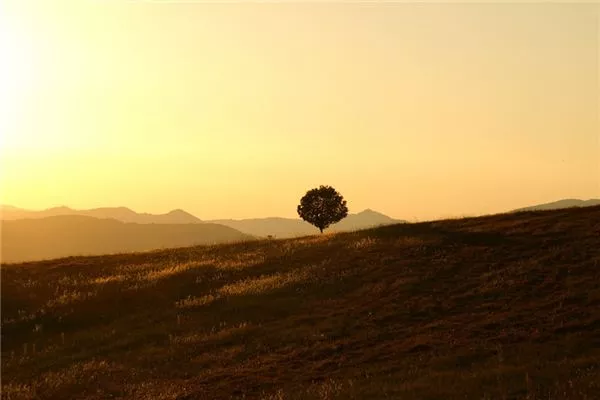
(235, 110)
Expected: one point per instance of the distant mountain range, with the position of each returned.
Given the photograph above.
(122, 214)
(289, 227)
(69, 235)
(261, 227)
(566, 203)
(62, 231)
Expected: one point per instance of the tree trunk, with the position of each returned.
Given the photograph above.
(321, 229)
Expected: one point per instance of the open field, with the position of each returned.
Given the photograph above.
(498, 307)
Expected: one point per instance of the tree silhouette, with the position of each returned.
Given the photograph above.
(322, 207)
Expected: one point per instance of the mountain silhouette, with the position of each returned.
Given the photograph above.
(365, 219)
(290, 227)
(70, 235)
(566, 203)
(262, 227)
(122, 214)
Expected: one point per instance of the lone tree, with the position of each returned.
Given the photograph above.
(322, 207)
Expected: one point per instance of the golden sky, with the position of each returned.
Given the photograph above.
(235, 110)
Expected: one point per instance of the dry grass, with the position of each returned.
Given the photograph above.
(499, 307)
(265, 283)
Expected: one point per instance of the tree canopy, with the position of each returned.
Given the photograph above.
(322, 207)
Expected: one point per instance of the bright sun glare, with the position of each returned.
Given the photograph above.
(16, 76)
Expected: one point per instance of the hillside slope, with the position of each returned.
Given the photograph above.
(61, 236)
(504, 306)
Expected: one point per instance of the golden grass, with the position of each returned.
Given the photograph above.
(55, 381)
(193, 301)
(249, 286)
(218, 334)
(107, 279)
(68, 297)
(498, 307)
(265, 283)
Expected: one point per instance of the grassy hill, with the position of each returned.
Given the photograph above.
(498, 307)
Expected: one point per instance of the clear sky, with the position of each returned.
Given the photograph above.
(235, 110)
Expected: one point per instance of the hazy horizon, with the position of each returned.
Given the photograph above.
(235, 110)
(222, 218)
(155, 213)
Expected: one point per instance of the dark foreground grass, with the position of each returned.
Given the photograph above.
(499, 307)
